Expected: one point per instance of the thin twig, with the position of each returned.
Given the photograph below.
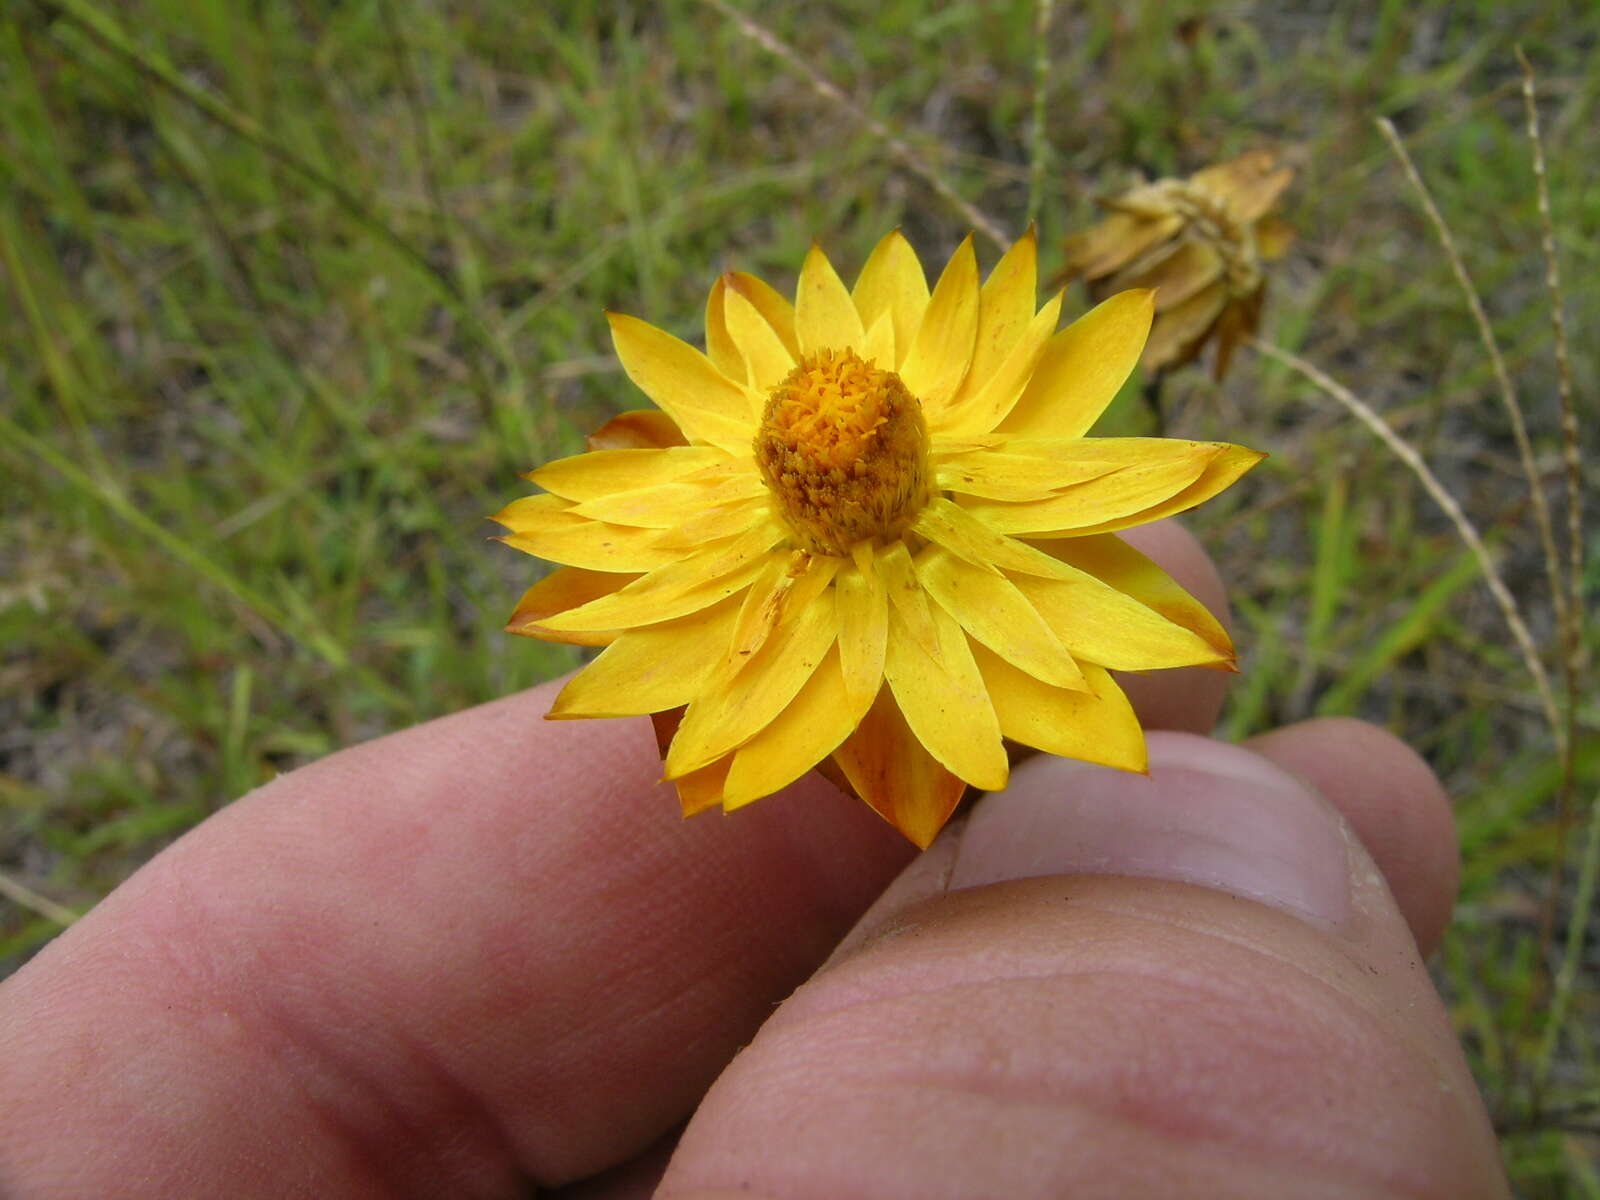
(1508, 391)
(25, 897)
(1572, 628)
(1464, 527)
(1039, 150)
(1570, 436)
(892, 141)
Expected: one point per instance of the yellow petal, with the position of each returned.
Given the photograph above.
(1026, 469)
(989, 394)
(1111, 560)
(1098, 624)
(995, 612)
(731, 712)
(1082, 369)
(786, 583)
(1097, 725)
(1000, 474)
(648, 670)
(1006, 306)
(720, 347)
(563, 589)
(945, 703)
(825, 317)
(863, 608)
(1180, 331)
(771, 304)
(767, 358)
(1186, 269)
(723, 521)
(906, 595)
(702, 789)
(545, 527)
(1222, 470)
(1114, 496)
(941, 352)
(691, 583)
(602, 472)
(878, 349)
(949, 525)
(894, 773)
(638, 429)
(668, 505)
(892, 283)
(813, 725)
(685, 384)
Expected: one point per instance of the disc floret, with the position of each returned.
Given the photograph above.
(844, 447)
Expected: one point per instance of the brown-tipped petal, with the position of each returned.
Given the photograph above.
(638, 429)
(563, 589)
(894, 773)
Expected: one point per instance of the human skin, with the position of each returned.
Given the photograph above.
(486, 953)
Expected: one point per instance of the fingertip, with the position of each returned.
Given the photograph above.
(1392, 800)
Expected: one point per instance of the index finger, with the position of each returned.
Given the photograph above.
(478, 948)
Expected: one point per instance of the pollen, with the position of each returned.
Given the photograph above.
(844, 448)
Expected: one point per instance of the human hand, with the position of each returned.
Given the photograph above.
(486, 950)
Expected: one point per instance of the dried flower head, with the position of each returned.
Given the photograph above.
(866, 531)
(1199, 242)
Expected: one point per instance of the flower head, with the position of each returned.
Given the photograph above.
(866, 531)
(1199, 242)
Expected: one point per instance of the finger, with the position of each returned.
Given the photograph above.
(1394, 803)
(489, 937)
(1238, 1010)
(483, 947)
(1189, 698)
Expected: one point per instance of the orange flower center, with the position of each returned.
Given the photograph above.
(844, 448)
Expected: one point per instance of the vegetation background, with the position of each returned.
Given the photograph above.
(293, 291)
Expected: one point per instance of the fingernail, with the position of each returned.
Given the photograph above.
(1208, 813)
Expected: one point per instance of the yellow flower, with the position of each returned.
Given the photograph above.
(866, 531)
(1200, 243)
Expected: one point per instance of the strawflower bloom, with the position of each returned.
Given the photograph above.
(1199, 242)
(866, 531)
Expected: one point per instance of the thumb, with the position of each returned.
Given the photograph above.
(1192, 984)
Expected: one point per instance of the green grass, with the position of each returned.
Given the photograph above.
(294, 293)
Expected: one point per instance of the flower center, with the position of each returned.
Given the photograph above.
(844, 448)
